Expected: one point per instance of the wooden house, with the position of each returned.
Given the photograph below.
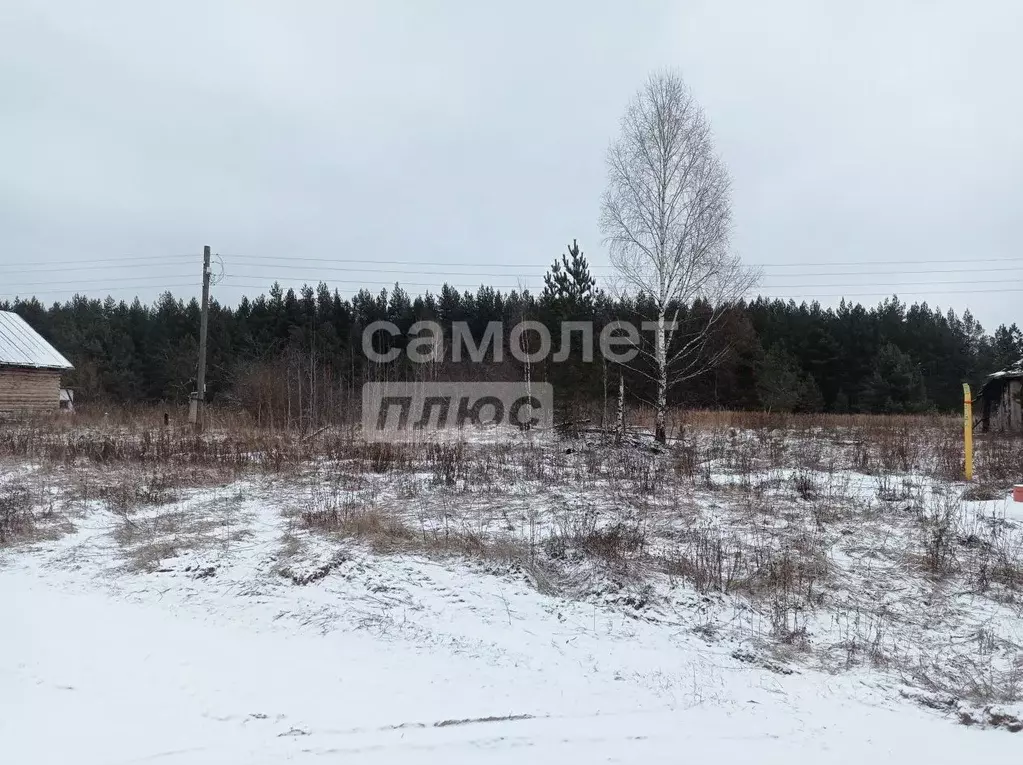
(30, 369)
(1002, 401)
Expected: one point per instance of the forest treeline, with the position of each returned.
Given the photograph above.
(295, 357)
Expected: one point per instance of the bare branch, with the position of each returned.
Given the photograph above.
(666, 218)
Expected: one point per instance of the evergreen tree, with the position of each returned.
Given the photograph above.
(568, 296)
(308, 342)
(896, 385)
(783, 386)
(1006, 348)
(568, 284)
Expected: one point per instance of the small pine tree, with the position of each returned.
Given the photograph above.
(778, 380)
(783, 386)
(841, 404)
(569, 294)
(568, 286)
(895, 385)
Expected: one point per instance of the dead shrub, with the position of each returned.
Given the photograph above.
(983, 492)
(756, 566)
(805, 485)
(978, 681)
(899, 447)
(789, 571)
(892, 487)
(131, 489)
(686, 463)
(380, 457)
(997, 561)
(580, 534)
(864, 635)
(941, 525)
(447, 461)
(384, 532)
(704, 563)
(999, 459)
(16, 517)
(948, 454)
(788, 623)
(613, 543)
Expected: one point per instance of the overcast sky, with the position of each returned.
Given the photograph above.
(474, 133)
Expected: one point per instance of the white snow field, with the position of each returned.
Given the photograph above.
(212, 627)
(481, 671)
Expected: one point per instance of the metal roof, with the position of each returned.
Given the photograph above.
(21, 346)
(1016, 370)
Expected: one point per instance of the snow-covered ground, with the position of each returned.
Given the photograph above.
(211, 626)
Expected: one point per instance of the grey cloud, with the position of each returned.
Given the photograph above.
(475, 133)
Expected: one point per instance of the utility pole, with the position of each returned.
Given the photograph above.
(968, 430)
(198, 403)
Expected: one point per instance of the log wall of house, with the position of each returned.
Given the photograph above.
(1013, 406)
(29, 390)
(1006, 411)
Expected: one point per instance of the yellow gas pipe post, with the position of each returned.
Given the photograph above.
(968, 430)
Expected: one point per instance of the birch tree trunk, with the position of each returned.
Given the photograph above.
(603, 409)
(621, 405)
(661, 358)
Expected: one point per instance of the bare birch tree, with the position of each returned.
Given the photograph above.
(666, 218)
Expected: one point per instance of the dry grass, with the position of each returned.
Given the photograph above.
(383, 531)
(29, 510)
(386, 533)
(148, 542)
(867, 443)
(765, 512)
(16, 517)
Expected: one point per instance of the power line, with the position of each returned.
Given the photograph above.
(802, 296)
(807, 290)
(320, 269)
(457, 264)
(318, 274)
(889, 293)
(267, 279)
(882, 284)
(51, 283)
(72, 291)
(387, 282)
(90, 267)
(89, 262)
(445, 277)
(282, 260)
(1015, 259)
(86, 262)
(913, 272)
